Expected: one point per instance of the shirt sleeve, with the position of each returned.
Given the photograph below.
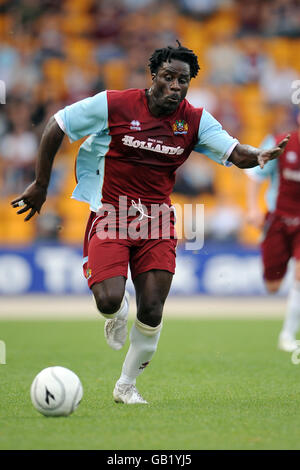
(213, 140)
(85, 117)
(260, 174)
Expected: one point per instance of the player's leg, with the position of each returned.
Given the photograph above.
(109, 295)
(291, 323)
(273, 286)
(113, 303)
(105, 267)
(152, 288)
(276, 252)
(152, 267)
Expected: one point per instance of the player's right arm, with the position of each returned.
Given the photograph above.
(35, 194)
(78, 120)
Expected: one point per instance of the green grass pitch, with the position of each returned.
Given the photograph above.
(213, 384)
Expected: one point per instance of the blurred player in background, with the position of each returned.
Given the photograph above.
(137, 140)
(281, 226)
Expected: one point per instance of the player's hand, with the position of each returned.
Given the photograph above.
(266, 155)
(256, 217)
(32, 199)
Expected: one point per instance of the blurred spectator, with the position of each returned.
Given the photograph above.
(282, 18)
(166, 23)
(48, 226)
(276, 82)
(51, 40)
(137, 78)
(108, 16)
(223, 224)
(227, 110)
(284, 119)
(134, 5)
(203, 97)
(97, 84)
(26, 13)
(18, 150)
(78, 82)
(195, 176)
(42, 113)
(223, 57)
(198, 9)
(9, 65)
(250, 16)
(137, 74)
(138, 35)
(253, 60)
(16, 67)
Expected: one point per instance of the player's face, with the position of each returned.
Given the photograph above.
(170, 85)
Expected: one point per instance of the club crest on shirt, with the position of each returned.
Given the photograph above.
(180, 127)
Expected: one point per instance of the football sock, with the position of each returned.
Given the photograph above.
(292, 320)
(121, 313)
(143, 344)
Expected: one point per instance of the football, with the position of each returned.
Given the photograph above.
(56, 391)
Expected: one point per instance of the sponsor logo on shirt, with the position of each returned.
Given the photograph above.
(289, 174)
(135, 125)
(180, 127)
(291, 157)
(151, 145)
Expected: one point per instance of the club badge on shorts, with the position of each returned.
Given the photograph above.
(88, 273)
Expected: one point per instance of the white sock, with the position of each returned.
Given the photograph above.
(292, 320)
(121, 313)
(143, 344)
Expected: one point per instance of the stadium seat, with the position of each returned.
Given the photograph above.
(77, 23)
(114, 73)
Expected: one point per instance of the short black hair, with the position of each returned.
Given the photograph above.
(179, 53)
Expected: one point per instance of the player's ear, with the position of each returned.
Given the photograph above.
(153, 75)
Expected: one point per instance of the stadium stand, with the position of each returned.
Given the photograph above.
(69, 51)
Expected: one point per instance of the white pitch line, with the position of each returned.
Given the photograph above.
(83, 307)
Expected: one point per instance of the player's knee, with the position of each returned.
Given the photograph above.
(273, 286)
(108, 300)
(150, 312)
(108, 303)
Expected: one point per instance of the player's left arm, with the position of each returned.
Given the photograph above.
(218, 145)
(245, 156)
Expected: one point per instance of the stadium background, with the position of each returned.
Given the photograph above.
(53, 53)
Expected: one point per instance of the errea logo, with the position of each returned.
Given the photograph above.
(135, 125)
